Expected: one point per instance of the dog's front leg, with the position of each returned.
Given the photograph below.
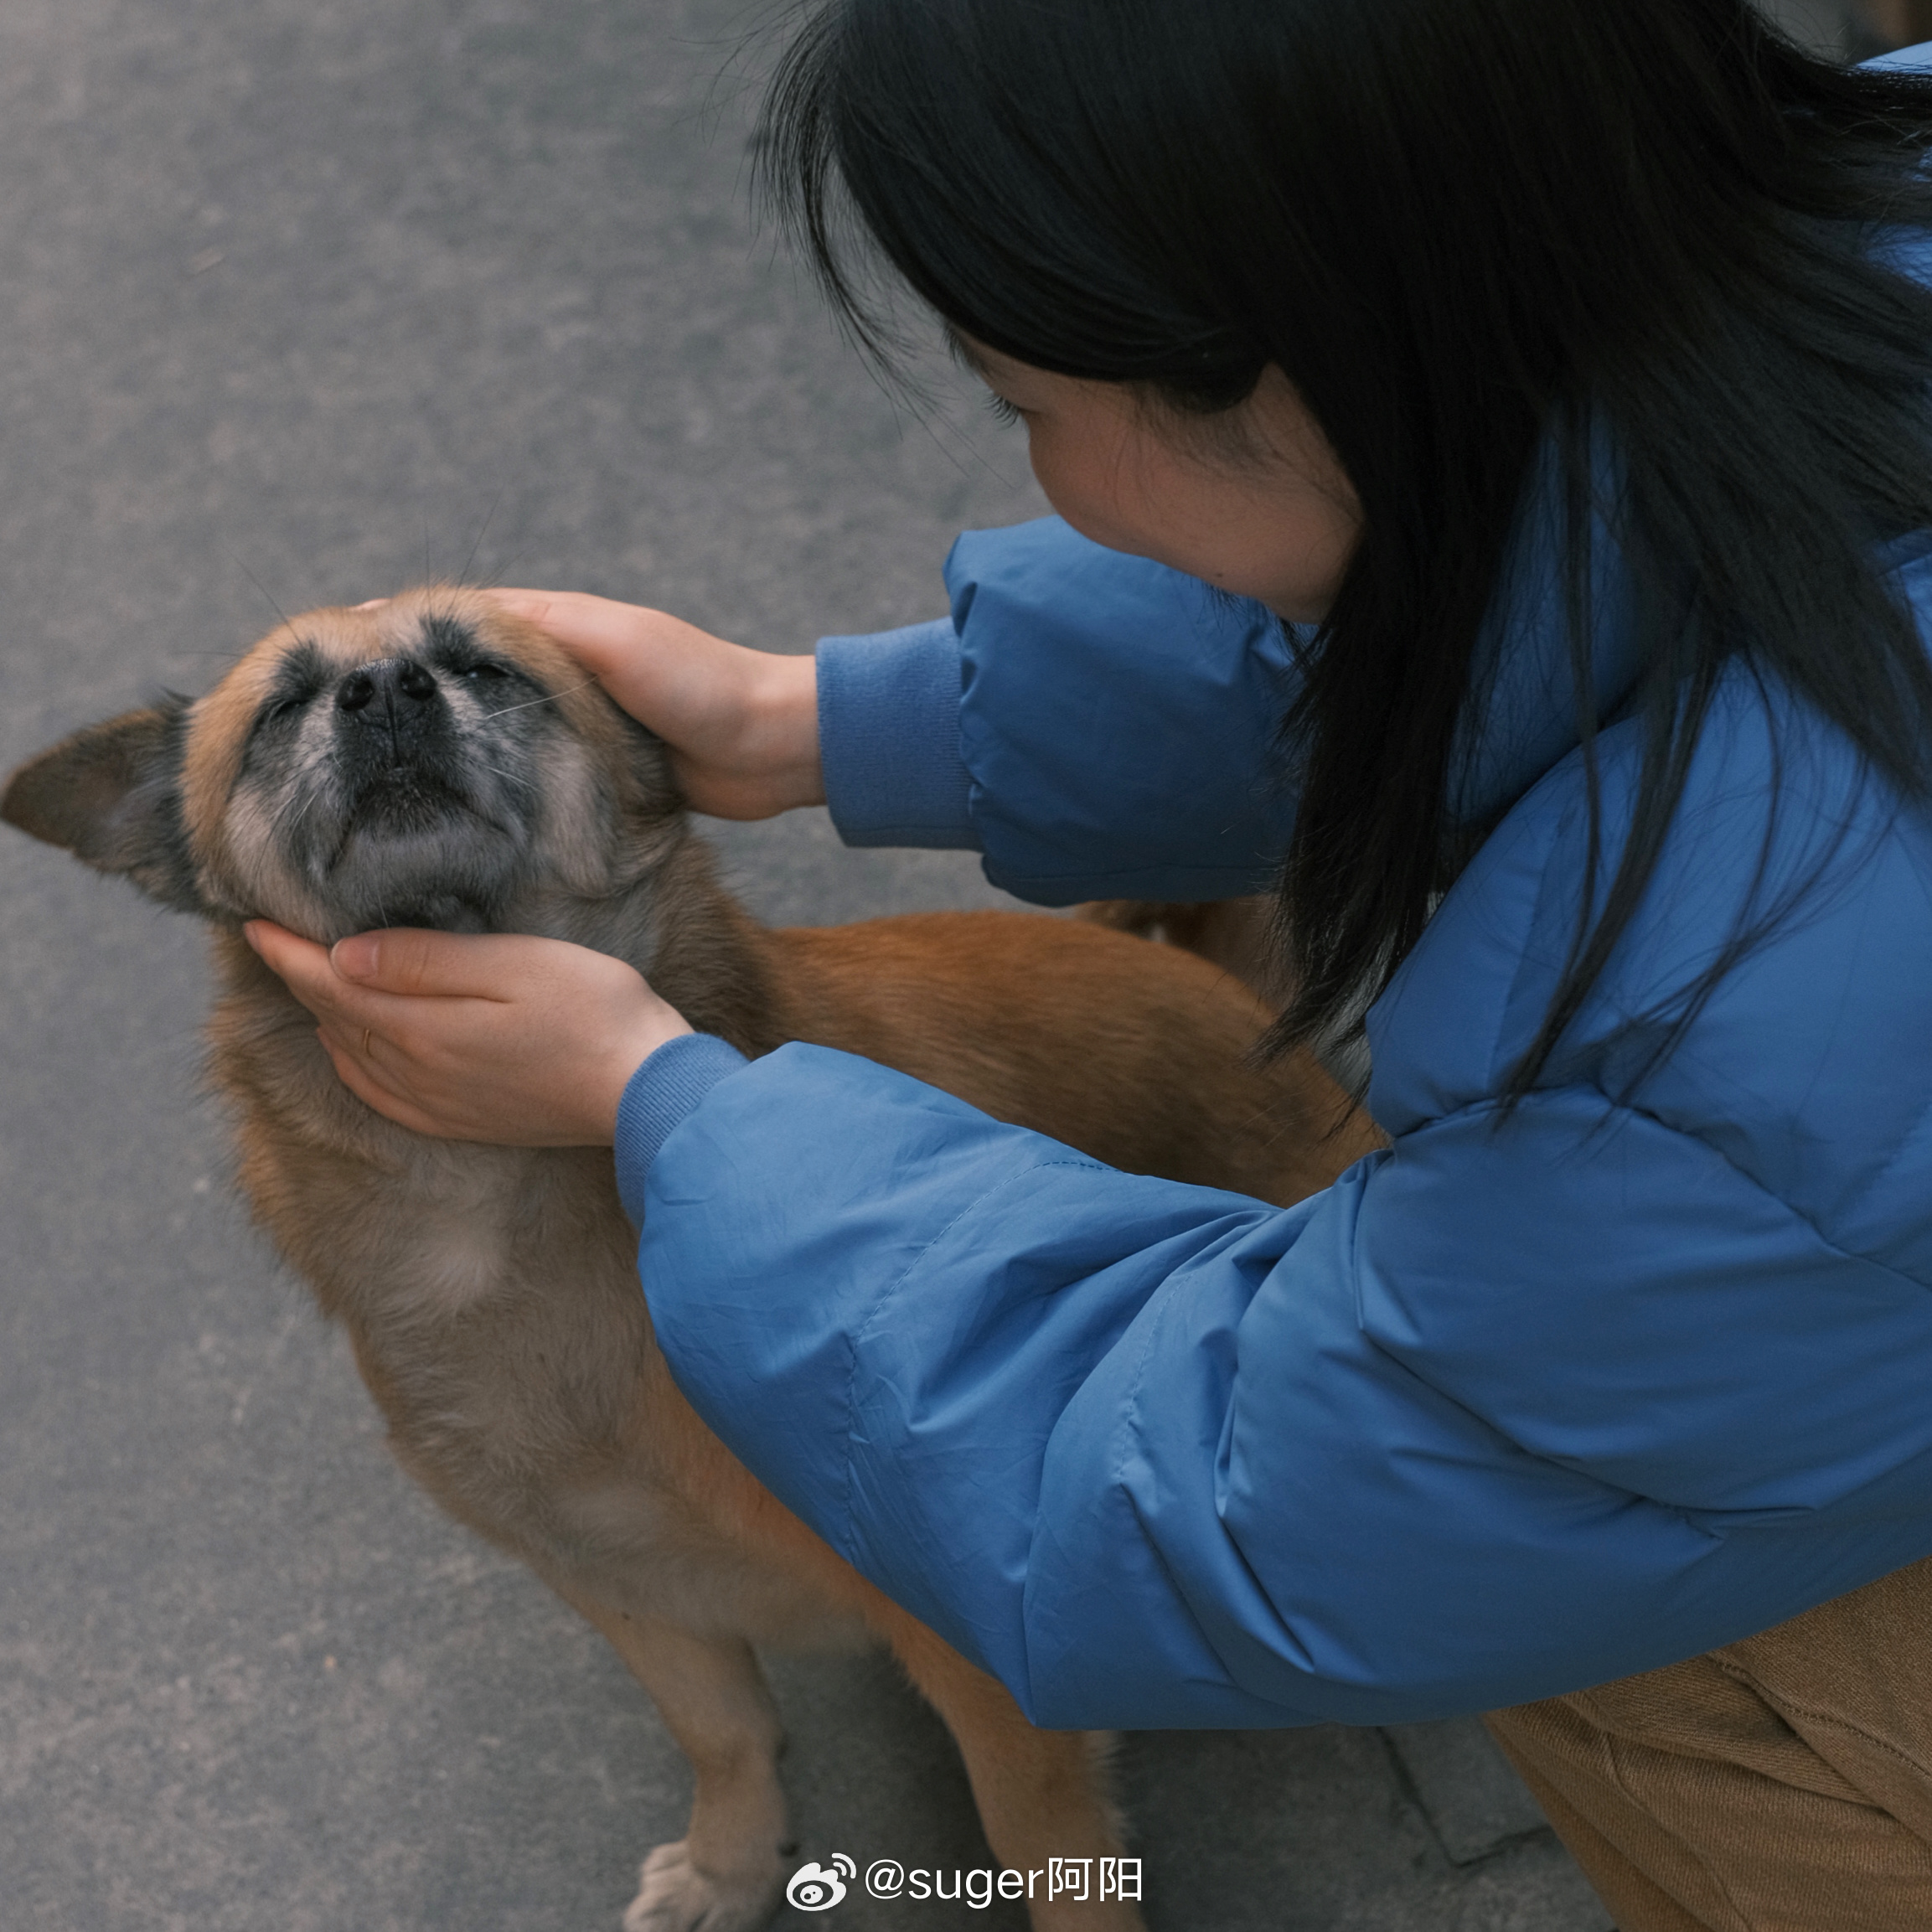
(727, 1873)
(1042, 1795)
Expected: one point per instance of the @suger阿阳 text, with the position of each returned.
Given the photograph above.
(818, 1887)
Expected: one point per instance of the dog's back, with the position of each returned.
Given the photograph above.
(1136, 1054)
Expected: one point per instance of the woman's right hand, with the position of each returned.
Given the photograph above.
(742, 726)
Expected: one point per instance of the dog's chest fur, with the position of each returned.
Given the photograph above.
(491, 1297)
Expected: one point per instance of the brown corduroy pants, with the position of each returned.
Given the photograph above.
(1781, 1785)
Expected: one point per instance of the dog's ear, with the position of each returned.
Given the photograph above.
(111, 796)
(658, 794)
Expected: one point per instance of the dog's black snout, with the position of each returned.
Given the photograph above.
(360, 688)
(392, 724)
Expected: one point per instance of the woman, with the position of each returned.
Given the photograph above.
(1541, 387)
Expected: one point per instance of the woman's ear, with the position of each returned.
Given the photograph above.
(110, 794)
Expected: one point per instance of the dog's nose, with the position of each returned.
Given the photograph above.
(359, 688)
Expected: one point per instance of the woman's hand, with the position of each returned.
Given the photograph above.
(524, 1042)
(742, 726)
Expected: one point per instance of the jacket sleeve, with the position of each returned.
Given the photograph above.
(1096, 725)
(1452, 1435)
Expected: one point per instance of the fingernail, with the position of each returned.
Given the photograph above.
(248, 933)
(356, 957)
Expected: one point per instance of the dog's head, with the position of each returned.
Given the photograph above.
(435, 762)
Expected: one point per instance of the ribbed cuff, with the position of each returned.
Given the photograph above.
(889, 738)
(662, 1091)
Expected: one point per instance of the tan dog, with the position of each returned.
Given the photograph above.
(437, 762)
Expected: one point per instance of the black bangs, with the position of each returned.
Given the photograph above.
(1476, 236)
(998, 233)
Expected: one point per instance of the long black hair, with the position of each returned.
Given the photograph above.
(1471, 233)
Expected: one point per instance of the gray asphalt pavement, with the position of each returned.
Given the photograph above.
(307, 299)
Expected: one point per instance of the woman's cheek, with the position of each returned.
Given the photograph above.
(1072, 481)
(1042, 454)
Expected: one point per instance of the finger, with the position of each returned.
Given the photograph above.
(346, 1041)
(309, 972)
(301, 965)
(410, 962)
(373, 1094)
(598, 632)
(532, 606)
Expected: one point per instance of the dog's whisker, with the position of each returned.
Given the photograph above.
(548, 698)
(489, 516)
(304, 804)
(494, 771)
(501, 575)
(280, 613)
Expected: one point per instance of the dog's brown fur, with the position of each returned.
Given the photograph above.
(490, 1294)
(1237, 935)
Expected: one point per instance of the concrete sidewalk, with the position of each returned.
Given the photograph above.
(308, 299)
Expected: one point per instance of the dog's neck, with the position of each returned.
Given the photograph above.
(666, 913)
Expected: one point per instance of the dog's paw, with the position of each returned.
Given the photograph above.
(674, 1896)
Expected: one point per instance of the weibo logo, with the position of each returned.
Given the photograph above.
(819, 1888)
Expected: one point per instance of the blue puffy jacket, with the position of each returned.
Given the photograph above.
(1517, 1406)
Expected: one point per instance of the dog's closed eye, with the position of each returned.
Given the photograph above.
(302, 675)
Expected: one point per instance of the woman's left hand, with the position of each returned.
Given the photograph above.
(524, 1042)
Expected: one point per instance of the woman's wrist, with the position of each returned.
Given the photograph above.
(785, 723)
(665, 1089)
